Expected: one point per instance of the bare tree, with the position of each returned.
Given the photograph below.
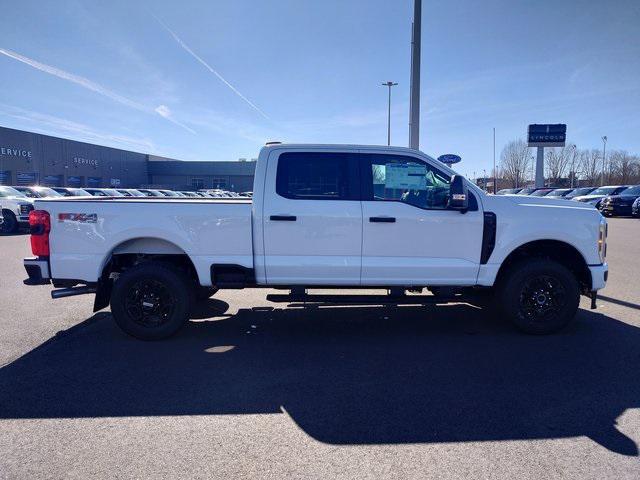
(590, 165)
(623, 167)
(514, 162)
(557, 161)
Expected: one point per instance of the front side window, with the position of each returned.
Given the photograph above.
(314, 176)
(407, 180)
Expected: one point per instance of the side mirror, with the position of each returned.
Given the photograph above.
(458, 195)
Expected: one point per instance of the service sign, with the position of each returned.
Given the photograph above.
(450, 158)
(547, 135)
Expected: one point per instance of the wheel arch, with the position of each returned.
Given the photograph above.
(134, 251)
(557, 250)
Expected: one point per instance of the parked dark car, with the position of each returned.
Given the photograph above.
(578, 192)
(621, 204)
(527, 191)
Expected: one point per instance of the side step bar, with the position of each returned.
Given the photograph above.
(70, 292)
(363, 299)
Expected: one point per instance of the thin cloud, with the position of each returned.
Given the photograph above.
(92, 86)
(164, 112)
(211, 69)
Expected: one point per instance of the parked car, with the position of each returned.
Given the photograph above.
(595, 197)
(527, 191)
(559, 192)
(37, 191)
(189, 194)
(508, 191)
(247, 194)
(635, 208)
(361, 226)
(579, 192)
(150, 192)
(15, 209)
(104, 192)
(621, 204)
(541, 192)
(131, 192)
(71, 192)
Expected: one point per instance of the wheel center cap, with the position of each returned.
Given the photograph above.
(541, 299)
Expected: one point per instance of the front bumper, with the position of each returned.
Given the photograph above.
(599, 276)
(38, 271)
(613, 209)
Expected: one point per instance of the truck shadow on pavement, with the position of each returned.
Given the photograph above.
(356, 375)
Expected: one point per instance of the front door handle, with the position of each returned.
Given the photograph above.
(382, 219)
(283, 218)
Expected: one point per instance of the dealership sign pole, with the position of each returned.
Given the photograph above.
(546, 135)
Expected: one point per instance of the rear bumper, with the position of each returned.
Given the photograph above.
(599, 276)
(37, 270)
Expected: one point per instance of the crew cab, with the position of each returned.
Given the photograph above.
(15, 209)
(348, 217)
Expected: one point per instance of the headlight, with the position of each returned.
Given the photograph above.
(602, 240)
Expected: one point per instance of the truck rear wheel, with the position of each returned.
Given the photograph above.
(151, 301)
(10, 224)
(540, 296)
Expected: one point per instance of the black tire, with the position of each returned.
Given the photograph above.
(151, 301)
(10, 224)
(203, 293)
(539, 296)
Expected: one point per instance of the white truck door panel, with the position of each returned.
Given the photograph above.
(409, 237)
(312, 229)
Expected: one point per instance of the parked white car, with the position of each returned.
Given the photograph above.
(325, 216)
(15, 209)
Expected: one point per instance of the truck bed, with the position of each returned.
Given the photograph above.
(208, 230)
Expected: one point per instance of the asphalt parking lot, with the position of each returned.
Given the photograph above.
(252, 389)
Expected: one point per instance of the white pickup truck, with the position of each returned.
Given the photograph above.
(324, 216)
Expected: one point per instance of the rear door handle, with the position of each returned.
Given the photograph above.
(382, 219)
(283, 218)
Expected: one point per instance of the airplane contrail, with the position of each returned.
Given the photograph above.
(93, 86)
(210, 68)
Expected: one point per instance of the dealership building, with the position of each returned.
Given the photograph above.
(28, 158)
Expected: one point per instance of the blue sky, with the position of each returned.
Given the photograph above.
(214, 80)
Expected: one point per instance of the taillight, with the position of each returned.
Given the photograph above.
(40, 226)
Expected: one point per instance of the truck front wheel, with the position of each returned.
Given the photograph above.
(540, 296)
(151, 301)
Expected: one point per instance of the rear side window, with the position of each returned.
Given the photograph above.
(317, 176)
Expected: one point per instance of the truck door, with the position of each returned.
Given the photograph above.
(312, 219)
(409, 235)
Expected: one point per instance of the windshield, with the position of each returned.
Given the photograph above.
(79, 192)
(47, 192)
(540, 193)
(603, 191)
(135, 193)
(10, 192)
(631, 191)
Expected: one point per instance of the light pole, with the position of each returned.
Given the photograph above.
(604, 158)
(573, 164)
(389, 84)
(414, 102)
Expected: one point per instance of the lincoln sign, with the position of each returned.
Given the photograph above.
(547, 135)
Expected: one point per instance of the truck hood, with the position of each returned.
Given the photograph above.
(542, 202)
